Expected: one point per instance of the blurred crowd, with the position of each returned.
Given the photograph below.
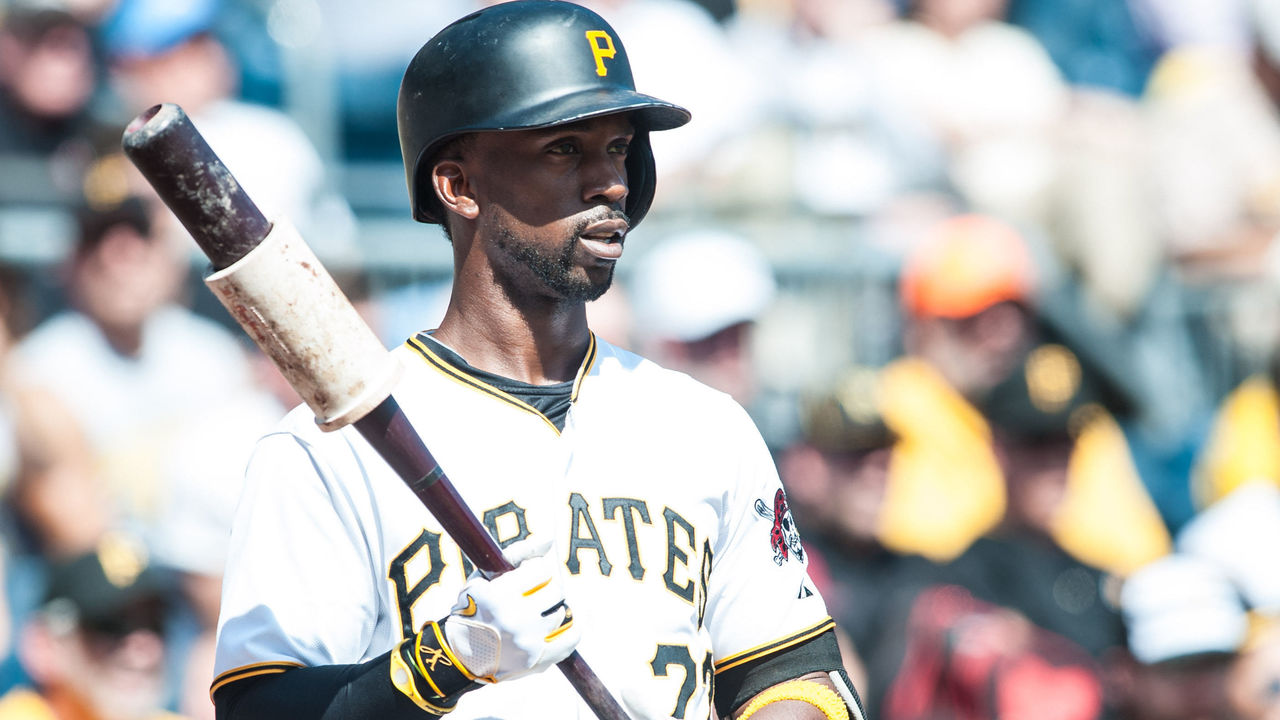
(998, 280)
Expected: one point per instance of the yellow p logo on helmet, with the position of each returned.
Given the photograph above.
(601, 48)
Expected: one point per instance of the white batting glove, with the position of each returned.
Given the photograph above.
(517, 623)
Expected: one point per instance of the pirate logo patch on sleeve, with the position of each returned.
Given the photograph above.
(783, 536)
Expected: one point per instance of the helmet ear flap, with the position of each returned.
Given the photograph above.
(642, 178)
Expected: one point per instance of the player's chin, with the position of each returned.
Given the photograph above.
(592, 283)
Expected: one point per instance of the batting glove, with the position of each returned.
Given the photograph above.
(501, 629)
(517, 623)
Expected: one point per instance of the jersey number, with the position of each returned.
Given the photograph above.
(668, 655)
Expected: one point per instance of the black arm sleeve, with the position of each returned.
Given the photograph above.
(739, 684)
(329, 692)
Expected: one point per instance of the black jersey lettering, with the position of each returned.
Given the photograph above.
(630, 508)
(676, 555)
(407, 595)
(582, 520)
(493, 520)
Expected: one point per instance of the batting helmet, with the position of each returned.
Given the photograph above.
(518, 66)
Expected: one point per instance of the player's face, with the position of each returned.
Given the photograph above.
(550, 205)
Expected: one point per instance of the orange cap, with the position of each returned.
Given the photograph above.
(967, 264)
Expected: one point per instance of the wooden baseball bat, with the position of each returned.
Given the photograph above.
(284, 299)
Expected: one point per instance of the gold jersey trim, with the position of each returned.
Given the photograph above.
(588, 363)
(460, 377)
(248, 671)
(774, 646)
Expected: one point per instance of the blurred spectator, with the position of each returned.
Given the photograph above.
(1071, 479)
(1185, 624)
(60, 504)
(46, 469)
(1098, 44)
(1215, 153)
(48, 82)
(95, 648)
(172, 408)
(194, 530)
(47, 76)
(54, 504)
(964, 292)
(1253, 684)
(1215, 139)
(969, 660)
(1121, 301)
(696, 297)
(967, 291)
(972, 335)
(1021, 563)
(1016, 616)
(169, 51)
(127, 358)
(1101, 221)
(1240, 534)
(1076, 513)
(835, 476)
(987, 92)
(848, 149)
(1215, 135)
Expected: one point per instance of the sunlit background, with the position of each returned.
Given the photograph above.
(997, 280)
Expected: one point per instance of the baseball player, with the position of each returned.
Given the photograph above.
(641, 510)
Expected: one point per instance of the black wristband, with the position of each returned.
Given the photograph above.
(429, 672)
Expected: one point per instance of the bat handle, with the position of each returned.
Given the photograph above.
(171, 154)
(592, 690)
(390, 433)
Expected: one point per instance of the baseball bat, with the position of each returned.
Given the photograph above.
(280, 294)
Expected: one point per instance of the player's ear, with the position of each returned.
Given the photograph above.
(449, 180)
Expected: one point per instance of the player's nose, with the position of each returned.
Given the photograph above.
(605, 182)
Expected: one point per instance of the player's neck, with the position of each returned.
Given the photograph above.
(536, 347)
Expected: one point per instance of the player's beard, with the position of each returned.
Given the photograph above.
(555, 266)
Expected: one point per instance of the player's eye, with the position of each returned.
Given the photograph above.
(622, 147)
(563, 147)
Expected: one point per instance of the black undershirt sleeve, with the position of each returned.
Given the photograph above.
(737, 685)
(329, 692)
(357, 692)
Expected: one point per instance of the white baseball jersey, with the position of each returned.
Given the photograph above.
(659, 493)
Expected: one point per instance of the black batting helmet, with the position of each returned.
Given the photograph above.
(517, 66)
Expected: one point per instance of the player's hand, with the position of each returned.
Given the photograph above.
(517, 623)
